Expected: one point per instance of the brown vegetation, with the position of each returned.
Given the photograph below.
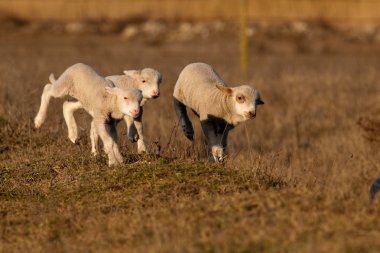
(297, 178)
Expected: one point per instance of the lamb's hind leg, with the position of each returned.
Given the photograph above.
(69, 107)
(187, 127)
(94, 139)
(50, 90)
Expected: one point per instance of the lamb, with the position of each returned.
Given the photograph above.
(219, 108)
(147, 80)
(99, 98)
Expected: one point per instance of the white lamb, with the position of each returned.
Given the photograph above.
(97, 96)
(147, 80)
(219, 108)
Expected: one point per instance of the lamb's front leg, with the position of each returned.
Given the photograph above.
(141, 148)
(129, 121)
(108, 142)
(130, 126)
(111, 126)
(221, 138)
(224, 138)
(133, 133)
(214, 140)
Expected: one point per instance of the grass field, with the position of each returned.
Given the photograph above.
(296, 180)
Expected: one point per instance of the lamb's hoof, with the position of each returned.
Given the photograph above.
(119, 159)
(217, 155)
(37, 123)
(222, 160)
(94, 153)
(141, 152)
(133, 138)
(73, 139)
(114, 164)
(217, 160)
(141, 149)
(73, 136)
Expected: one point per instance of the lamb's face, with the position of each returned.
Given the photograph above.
(149, 81)
(128, 100)
(246, 99)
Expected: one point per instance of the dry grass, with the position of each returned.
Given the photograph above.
(297, 179)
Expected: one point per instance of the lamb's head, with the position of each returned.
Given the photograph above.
(244, 100)
(128, 100)
(148, 81)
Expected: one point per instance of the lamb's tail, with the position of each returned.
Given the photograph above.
(375, 187)
(187, 127)
(52, 78)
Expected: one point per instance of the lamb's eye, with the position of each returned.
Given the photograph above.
(240, 99)
(125, 98)
(144, 81)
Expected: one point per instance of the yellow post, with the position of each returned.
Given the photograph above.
(243, 37)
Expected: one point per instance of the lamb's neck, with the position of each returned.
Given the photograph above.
(231, 115)
(133, 83)
(219, 105)
(113, 109)
(126, 82)
(226, 105)
(143, 101)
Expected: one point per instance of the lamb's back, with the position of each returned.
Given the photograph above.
(196, 84)
(88, 86)
(122, 81)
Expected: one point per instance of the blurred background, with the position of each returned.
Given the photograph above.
(347, 11)
(353, 19)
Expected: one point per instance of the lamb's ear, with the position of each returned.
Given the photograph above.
(112, 90)
(224, 89)
(131, 73)
(52, 78)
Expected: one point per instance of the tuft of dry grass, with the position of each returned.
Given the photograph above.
(297, 178)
